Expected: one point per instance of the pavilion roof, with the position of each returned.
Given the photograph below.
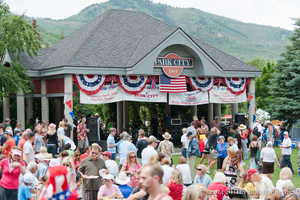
(119, 39)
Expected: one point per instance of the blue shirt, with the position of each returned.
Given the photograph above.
(24, 192)
(111, 140)
(222, 150)
(124, 147)
(125, 190)
(204, 180)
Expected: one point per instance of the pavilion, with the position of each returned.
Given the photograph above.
(124, 43)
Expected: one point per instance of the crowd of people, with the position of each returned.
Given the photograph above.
(48, 163)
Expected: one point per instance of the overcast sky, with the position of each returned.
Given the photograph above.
(277, 13)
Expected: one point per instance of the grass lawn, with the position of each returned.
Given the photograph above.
(275, 176)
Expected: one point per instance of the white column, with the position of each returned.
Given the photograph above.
(234, 110)
(6, 105)
(21, 108)
(195, 113)
(68, 95)
(217, 110)
(125, 115)
(44, 102)
(252, 106)
(119, 115)
(29, 109)
(210, 112)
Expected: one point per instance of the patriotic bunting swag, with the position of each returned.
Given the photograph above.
(236, 85)
(203, 84)
(132, 84)
(89, 84)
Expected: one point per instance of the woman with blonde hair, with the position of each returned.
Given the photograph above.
(195, 192)
(175, 185)
(285, 180)
(131, 167)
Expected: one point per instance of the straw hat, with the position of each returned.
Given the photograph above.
(167, 136)
(122, 179)
(242, 127)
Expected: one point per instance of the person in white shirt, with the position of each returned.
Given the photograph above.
(28, 152)
(286, 151)
(263, 184)
(185, 170)
(185, 142)
(285, 180)
(149, 151)
(61, 135)
(111, 165)
(125, 146)
(165, 165)
(268, 157)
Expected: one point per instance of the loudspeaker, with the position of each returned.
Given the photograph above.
(240, 118)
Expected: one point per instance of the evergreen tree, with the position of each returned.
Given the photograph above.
(262, 93)
(285, 84)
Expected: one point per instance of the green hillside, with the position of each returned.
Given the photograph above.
(243, 40)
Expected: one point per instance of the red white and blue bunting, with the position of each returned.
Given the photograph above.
(202, 83)
(132, 84)
(236, 85)
(89, 84)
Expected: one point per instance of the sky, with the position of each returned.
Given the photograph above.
(278, 13)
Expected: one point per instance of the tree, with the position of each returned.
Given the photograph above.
(263, 96)
(16, 37)
(285, 84)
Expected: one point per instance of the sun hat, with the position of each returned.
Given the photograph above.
(122, 179)
(219, 177)
(242, 127)
(250, 172)
(167, 136)
(108, 177)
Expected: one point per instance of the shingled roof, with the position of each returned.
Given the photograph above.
(119, 39)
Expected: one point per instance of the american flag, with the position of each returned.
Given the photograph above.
(172, 85)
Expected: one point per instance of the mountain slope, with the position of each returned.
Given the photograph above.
(243, 40)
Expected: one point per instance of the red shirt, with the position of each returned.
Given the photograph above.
(10, 177)
(220, 188)
(175, 190)
(83, 156)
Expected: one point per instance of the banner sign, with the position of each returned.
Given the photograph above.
(223, 95)
(109, 94)
(173, 65)
(149, 94)
(189, 98)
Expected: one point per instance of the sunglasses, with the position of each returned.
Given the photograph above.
(199, 169)
(132, 156)
(66, 165)
(94, 153)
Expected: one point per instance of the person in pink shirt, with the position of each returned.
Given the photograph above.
(131, 167)
(218, 186)
(11, 168)
(108, 189)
